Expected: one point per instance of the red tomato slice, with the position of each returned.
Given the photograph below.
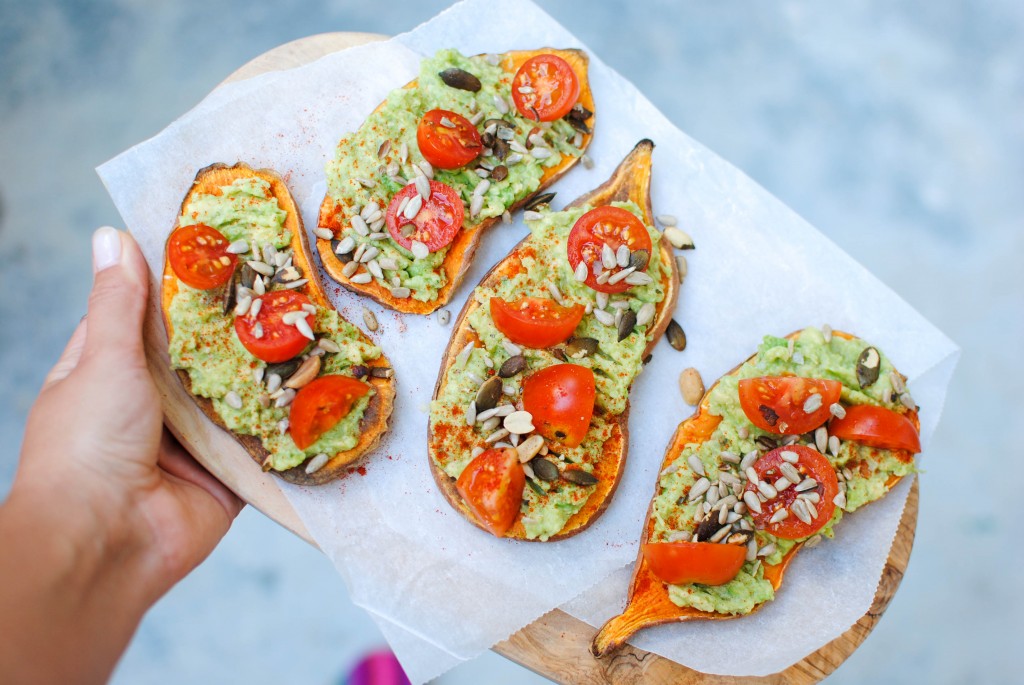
(535, 321)
(561, 400)
(437, 222)
(877, 427)
(776, 403)
(492, 487)
(448, 147)
(320, 405)
(277, 341)
(611, 226)
(550, 85)
(199, 256)
(707, 563)
(811, 464)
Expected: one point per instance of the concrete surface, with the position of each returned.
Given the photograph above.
(894, 127)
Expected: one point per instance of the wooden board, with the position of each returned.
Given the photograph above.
(556, 645)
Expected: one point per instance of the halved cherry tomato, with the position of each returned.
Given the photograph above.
(320, 405)
(492, 487)
(550, 85)
(278, 341)
(448, 147)
(707, 563)
(611, 226)
(810, 464)
(877, 427)
(561, 400)
(199, 256)
(535, 321)
(776, 403)
(437, 222)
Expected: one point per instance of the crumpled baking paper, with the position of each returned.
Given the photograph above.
(441, 590)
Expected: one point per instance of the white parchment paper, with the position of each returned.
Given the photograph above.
(441, 590)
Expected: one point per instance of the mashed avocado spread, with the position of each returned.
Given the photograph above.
(548, 505)
(378, 160)
(862, 471)
(204, 342)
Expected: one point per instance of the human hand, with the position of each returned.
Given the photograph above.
(124, 512)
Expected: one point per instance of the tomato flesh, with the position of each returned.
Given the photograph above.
(550, 85)
(320, 405)
(448, 147)
(877, 427)
(810, 464)
(199, 256)
(535, 321)
(776, 403)
(561, 400)
(681, 563)
(492, 487)
(437, 221)
(267, 336)
(611, 226)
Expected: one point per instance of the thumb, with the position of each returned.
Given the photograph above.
(117, 304)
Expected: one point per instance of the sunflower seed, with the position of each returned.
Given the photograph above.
(291, 318)
(359, 226)
(790, 472)
(369, 253)
(604, 317)
(587, 162)
(667, 220)
(285, 399)
(722, 532)
(695, 464)
(748, 460)
(833, 445)
(349, 269)
(799, 509)
(645, 315)
(812, 404)
(729, 457)
(767, 489)
(233, 400)
(500, 104)
(607, 256)
(471, 414)
(581, 272)
(907, 401)
(532, 216)
(324, 233)
(698, 488)
(840, 500)
(751, 475)
(638, 278)
(423, 188)
(303, 327)
(767, 550)
(620, 275)
(497, 435)
(810, 496)
(676, 336)
(370, 319)
(243, 306)
(750, 499)
(254, 310)
(419, 250)
(511, 347)
(898, 384)
(602, 300)
(401, 293)
(622, 256)
(346, 245)
(805, 485)
(413, 208)
(260, 267)
(366, 182)
(780, 515)
(691, 386)
(238, 247)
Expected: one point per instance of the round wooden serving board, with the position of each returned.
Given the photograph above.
(556, 645)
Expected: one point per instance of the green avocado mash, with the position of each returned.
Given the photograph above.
(363, 173)
(862, 471)
(204, 342)
(548, 505)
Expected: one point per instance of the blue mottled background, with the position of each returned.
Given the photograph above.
(897, 128)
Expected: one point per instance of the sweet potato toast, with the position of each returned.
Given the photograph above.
(649, 602)
(629, 183)
(460, 251)
(210, 181)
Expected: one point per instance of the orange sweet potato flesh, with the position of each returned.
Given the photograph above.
(630, 181)
(648, 603)
(375, 419)
(460, 252)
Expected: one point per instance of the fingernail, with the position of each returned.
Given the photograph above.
(106, 248)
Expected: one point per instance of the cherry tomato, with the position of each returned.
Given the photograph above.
(437, 222)
(278, 341)
(492, 487)
(776, 403)
(877, 427)
(561, 400)
(535, 321)
(707, 563)
(810, 464)
(551, 88)
(448, 147)
(199, 256)
(611, 226)
(320, 405)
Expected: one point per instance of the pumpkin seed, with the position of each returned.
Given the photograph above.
(626, 324)
(639, 259)
(512, 366)
(544, 469)
(461, 79)
(489, 394)
(542, 199)
(868, 365)
(707, 527)
(359, 371)
(288, 274)
(231, 290)
(284, 370)
(676, 336)
(248, 278)
(578, 348)
(579, 477)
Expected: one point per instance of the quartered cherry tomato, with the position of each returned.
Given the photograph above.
(545, 88)
(199, 256)
(561, 400)
(447, 147)
(266, 336)
(535, 321)
(320, 405)
(611, 226)
(437, 221)
(707, 563)
(876, 427)
(776, 403)
(492, 487)
(810, 464)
